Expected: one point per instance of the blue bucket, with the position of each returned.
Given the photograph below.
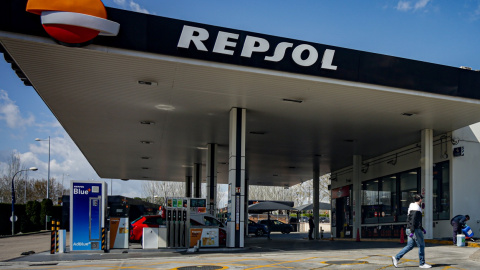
(467, 231)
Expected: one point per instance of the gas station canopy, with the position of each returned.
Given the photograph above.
(144, 104)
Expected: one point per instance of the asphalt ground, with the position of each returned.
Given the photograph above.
(292, 251)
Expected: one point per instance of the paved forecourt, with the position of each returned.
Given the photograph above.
(291, 251)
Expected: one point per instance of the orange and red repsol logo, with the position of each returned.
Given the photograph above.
(73, 21)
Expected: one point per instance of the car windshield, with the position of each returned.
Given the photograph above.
(136, 220)
(155, 220)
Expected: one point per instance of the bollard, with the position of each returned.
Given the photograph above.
(52, 240)
(57, 242)
(104, 242)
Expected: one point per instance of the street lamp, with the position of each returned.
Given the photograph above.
(13, 196)
(48, 173)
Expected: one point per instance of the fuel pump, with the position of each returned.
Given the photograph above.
(178, 222)
(169, 227)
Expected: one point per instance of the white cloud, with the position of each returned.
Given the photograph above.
(421, 4)
(404, 6)
(10, 113)
(132, 5)
(407, 5)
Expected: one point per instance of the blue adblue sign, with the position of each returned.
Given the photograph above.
(87, 214)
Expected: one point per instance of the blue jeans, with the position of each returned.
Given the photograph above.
(417, 238)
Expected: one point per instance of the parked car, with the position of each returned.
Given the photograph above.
(136, 226)
(277, 226)
(154, 221)
(257, 229)
(324, 220)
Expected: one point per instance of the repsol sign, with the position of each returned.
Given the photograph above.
(231, 44)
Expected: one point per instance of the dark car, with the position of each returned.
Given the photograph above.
(324, 220)
(277, 226)
(257, 229)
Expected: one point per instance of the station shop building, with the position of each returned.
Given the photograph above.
(146, 97)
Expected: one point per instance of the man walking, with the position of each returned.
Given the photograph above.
(415, 233)
(458, 222)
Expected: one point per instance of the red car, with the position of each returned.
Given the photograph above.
(136, 226)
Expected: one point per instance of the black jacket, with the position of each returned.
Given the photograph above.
(311, 223)
(414, 220)
(459, 219)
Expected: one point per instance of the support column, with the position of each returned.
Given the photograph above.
(357, 201)
(427, 180)
(212, 178)
(316, 197)
(236, 179)
(197, 180)
(188, 186)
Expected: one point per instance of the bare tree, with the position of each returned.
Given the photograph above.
(157, 191)
(300, 194)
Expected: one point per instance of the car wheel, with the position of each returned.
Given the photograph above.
(259, 232)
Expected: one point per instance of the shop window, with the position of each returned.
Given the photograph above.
(441, 191)
(409, 186)
(370, 206)
(388, 199)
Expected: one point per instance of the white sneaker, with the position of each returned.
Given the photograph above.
(395, 262)
(425, 266)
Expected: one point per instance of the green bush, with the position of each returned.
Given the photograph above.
(46, 210)
(32, 212)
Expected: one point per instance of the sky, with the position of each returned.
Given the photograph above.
(438, 31)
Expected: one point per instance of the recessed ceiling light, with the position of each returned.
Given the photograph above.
(145, 177)
(257, 132)
(145, 168)
(292, 167)
(408, 114)
(146, 158)
(164, 107)
(146, 142)
(151, 83)
(275, 175)
(147, 122)
(292, 100)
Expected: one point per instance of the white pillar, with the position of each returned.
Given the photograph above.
(236, 179)
(427, 180)
(197, 180)
(357, 199)
(212, 178)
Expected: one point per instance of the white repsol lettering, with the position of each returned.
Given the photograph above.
(303, 55)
